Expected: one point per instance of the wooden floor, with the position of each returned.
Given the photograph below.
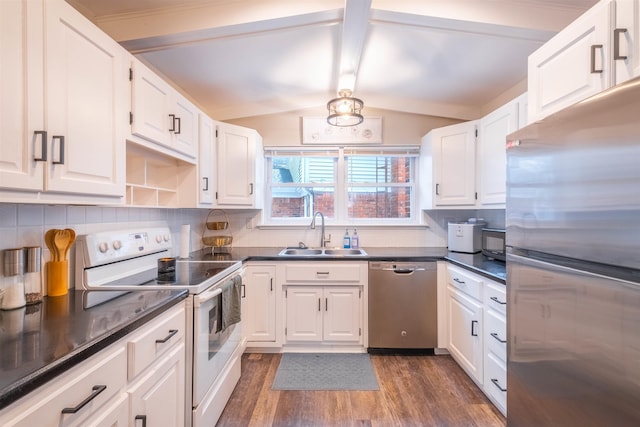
(414, 391)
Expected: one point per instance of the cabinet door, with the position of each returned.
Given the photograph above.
(492, 157)
(158, 398)
(259, 304)
(573, 65)
(150, 105)
(465, 333)
(185, 129)
(304, 313)
(85, 82)
(236, 165)
(626, 40)
(21, 94)
(454, 165)
(206, 161)
(342, 314)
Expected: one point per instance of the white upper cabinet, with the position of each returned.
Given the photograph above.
(63, 105)
(239, 167)
(206, 161)
(448, 165)
(598, 50)
(160, 115)
(492, 158)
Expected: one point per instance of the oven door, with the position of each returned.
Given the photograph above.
(212, 346)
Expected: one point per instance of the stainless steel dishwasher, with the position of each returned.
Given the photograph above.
(402, 306)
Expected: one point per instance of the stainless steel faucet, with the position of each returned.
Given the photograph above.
(323, 241)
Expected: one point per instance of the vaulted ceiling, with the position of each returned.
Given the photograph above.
(241, 58)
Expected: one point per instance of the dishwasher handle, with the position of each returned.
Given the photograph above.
(404, 270)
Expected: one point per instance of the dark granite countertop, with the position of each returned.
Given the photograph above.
(39, 342)
(478, 263)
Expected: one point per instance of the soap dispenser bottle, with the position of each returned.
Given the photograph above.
(355, 239)
(346, 241)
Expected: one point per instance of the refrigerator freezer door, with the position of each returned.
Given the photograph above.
(573, 181)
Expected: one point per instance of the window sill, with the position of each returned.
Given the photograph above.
(342, 226)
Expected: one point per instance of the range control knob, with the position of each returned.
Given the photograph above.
(166, 237)
(159, 238)
(117, 244)
(103, 247)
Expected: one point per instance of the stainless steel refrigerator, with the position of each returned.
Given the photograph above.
(573, 265)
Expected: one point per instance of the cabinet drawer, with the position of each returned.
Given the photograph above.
(496, 333)
(155, 339)
(322, 272)
(465, 282)
(495, 381)
(496, 297)
(95, 381)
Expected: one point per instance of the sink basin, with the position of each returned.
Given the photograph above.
(301, 252)
(321, 252)
(345, 252)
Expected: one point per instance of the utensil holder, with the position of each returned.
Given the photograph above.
(57, 278)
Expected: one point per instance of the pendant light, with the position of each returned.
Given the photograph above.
(345, 110)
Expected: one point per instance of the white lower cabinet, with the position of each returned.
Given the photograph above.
(107, 390)
(59, 402)
(320, 314)
(259, 303)
(495, 354)
(324, 303)
(477, 330)
(465, 333)
(157, 398)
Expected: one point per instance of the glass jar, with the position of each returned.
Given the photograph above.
(14, 279)
(33, 275)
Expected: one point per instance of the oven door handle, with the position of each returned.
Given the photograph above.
(202, 298)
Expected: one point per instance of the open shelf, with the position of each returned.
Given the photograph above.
(158, 180)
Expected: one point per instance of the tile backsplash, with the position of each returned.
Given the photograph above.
(24, 225)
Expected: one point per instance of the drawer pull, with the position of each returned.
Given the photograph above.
(142, 418)
(172, 332)
(96, 390)
(495, 335)
(455, 279)
(498, 301)
(497, 384)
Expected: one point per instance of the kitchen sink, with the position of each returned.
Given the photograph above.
(321, 252)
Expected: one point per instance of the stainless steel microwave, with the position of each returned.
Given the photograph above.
(493, 243)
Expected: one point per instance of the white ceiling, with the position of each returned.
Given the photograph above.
(240, 58)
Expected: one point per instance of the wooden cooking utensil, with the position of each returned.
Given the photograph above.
(48, 240)
(61, 241)
(72, 239)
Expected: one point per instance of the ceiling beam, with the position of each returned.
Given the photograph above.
(354, 32)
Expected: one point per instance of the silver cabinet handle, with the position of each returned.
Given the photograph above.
(142, 418)
(498, 301)
(474, 323)
(251, 188)
(173, 122)
(172, 332)
(95, 391)
(594, 47)
(495, 335)
(206, 183)
(497, 384)
(43, 145)
(319, 308)
(60, 160)
(455, 279)
(616, 43)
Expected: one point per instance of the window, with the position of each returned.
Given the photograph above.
(348, 186)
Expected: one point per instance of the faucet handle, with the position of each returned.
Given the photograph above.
(301, 245)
